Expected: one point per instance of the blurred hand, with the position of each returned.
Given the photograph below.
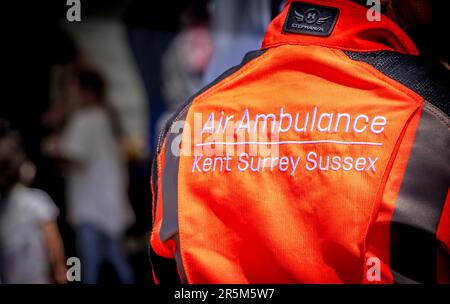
(60, 274)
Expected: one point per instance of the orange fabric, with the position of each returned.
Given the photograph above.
(352, 31)
(443, 231)
(297, 230)
(317, 226)
(443, 236)
(377, 241)
(155, 279)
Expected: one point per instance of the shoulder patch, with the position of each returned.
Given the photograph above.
(308, 19)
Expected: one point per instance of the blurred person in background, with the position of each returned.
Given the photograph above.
(31, 249)
(237, 27)
(98, 207)
(186, 59)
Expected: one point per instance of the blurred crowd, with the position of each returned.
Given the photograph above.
(76, 144)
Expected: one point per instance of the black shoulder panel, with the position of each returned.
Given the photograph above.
(421, 198)
(431, 81)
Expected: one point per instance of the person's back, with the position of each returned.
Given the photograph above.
(31, 248)
(322, 158)
(24, 254)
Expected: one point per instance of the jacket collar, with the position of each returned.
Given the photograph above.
(352, 32)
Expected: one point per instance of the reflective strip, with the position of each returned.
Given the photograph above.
(169, 225)
(413, 245)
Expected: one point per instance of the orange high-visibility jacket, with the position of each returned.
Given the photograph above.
(321, 158)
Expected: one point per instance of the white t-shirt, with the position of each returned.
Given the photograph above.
(96, 190)
(24, 256)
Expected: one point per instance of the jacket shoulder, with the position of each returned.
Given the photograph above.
(429, 80)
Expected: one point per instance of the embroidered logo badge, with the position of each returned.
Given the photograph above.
(308, 19)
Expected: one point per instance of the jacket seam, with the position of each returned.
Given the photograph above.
(437, 113)
(365, 50)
